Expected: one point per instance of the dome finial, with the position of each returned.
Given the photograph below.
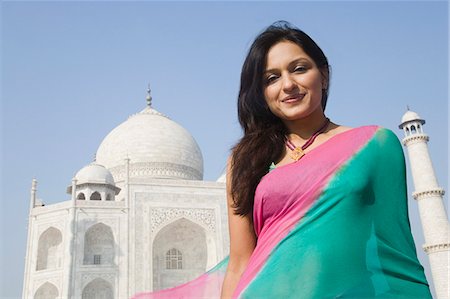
(149, 96)
(407, 107)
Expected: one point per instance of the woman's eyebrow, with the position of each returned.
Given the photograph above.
(300, 59)
(294, 61)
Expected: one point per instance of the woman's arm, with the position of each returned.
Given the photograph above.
(242, 243)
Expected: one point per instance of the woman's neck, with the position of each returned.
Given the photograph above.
(305, 127)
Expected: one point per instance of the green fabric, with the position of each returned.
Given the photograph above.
(355, 241)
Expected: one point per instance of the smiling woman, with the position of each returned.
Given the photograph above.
(315, 209)
(293, 83)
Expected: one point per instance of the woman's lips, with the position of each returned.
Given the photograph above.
(293, 98)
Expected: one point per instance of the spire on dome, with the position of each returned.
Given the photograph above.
(149, 96)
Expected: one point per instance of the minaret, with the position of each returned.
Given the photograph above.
(28, 270)
(429, 197)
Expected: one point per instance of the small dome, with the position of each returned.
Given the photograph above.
(410, 116)
(94, 173)
(155, 145)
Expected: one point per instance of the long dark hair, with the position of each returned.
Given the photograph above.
(264, 133)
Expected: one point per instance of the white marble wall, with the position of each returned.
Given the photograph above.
(164, 207)
(159, 204)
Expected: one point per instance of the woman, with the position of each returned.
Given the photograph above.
(330, 220)
(316, 209)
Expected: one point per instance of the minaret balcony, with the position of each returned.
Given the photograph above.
(415, 138)
(436, 247)
(418, 195)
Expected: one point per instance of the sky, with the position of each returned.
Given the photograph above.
(73, 71)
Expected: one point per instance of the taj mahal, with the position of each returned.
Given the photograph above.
(140, 216)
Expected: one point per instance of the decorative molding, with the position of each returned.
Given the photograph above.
(157, 170)
(411, 139)
(159, 217)
(436, 247)
(418, 195)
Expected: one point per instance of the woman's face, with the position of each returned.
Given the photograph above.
(292, 82)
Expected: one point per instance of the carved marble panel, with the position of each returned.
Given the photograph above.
(159, 217)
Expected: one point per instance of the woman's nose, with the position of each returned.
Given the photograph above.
(288, 83)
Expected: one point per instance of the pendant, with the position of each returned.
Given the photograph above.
(297, 153)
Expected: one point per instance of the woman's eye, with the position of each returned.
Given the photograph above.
(271, 79)
(300, 69)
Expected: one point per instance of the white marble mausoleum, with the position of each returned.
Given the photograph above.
(140, 218)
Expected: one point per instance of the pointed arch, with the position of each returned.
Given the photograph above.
(81, 196)
(413, 129)
(95, 196)
(99, 245)
(98, 289)
(46, 291)
(49, 253)
(187, 240)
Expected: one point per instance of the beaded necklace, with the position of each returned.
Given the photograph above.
(298, 151)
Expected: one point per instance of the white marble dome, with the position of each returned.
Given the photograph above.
(94, 173)
(410, 116)
(156, 147)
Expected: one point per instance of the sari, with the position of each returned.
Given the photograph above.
(332, 225)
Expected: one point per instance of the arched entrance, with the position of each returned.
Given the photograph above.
(179, 253)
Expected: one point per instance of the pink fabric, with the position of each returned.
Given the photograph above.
(207, 286)
(273, 220)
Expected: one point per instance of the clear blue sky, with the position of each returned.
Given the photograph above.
(72, 71)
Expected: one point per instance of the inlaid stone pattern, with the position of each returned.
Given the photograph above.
(161, 216)
(157, 169)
